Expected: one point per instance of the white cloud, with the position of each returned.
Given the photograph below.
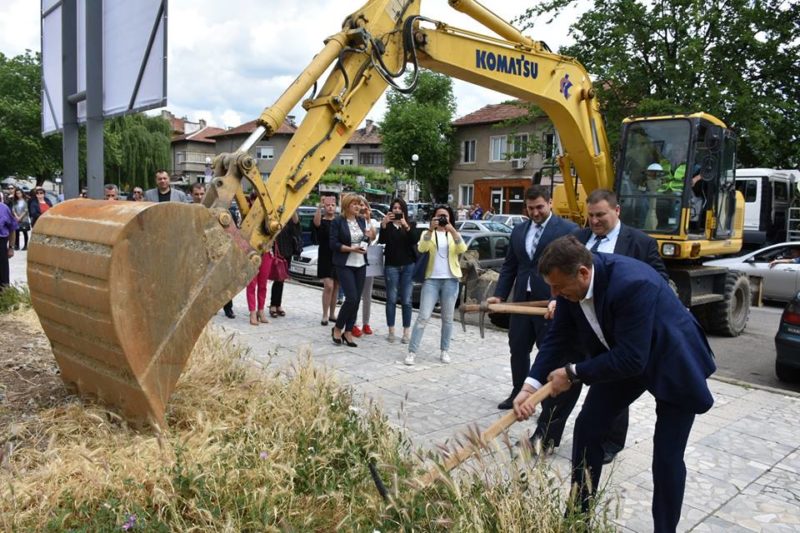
(228, 60)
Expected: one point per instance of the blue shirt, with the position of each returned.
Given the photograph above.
(7, 221)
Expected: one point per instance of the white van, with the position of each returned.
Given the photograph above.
(768, 194)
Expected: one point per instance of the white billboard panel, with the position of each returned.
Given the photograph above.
(52, 100)
(134, 58)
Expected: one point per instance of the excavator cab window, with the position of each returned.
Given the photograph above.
(651, 176)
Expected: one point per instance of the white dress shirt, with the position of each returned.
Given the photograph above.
(529, 239)
(609, 241)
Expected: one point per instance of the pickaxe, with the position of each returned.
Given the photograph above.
(518, 308)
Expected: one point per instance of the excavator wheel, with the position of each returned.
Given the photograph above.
(729, 317)
(124, 289)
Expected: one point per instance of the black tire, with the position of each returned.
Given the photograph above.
(701, 313)
(787, 373)
(729, 317)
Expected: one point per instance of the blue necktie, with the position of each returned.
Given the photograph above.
(537, 234)
(596, 245)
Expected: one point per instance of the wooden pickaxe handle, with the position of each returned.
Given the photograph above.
(487, 436)
(511, 308)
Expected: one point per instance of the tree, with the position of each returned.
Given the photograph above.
(420, 123)
(135, 147)
(736, 59)
(23, 150)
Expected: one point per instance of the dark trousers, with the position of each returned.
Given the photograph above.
(5, 274)
(556, 411)
(24, 233)
(523, 331)
(276, 297)
(604, 403)
(351, 280)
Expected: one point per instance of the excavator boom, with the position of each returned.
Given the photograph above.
(123, 290)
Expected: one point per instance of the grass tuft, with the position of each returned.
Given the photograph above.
(14, 298)
(254, 448)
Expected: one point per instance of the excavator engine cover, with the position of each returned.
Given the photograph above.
(124, 289)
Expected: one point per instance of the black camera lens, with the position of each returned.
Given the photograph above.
(442, 220)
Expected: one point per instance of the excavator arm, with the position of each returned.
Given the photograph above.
(124, 289)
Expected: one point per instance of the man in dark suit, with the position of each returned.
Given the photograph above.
(528, 240)
(635, 336)
(605, 234)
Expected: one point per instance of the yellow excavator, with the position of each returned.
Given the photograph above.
(124, 289)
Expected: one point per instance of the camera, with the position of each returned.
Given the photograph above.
(398, 216)
(442, 220)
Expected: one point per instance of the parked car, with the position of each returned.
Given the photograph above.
(787, 342)
(782, 282)
(383, 208)
(509, 220)
(419, 212)
(303, 267)
(481, 225)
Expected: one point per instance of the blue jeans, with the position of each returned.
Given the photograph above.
(398, 279)
(446, 291)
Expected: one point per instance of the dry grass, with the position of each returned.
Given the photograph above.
(250, 449)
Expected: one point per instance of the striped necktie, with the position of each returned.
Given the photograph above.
(537, 234)
(596, 245)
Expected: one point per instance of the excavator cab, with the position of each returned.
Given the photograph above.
(675, 181)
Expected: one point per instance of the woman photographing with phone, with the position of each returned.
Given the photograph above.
(443, 244)
(397, 236)
(348, 241)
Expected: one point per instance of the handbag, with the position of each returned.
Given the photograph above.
(420, 267)
(279, 270)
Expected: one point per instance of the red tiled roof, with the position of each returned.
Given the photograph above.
(367, 135)
(177, 124)
(491, 113)
(200, 136)
(249, 127)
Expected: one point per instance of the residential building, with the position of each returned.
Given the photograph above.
(192, 154)
(266, 151)
(499, 159)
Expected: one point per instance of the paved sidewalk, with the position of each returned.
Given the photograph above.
(743, 457)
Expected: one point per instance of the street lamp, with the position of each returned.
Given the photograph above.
(414, 159)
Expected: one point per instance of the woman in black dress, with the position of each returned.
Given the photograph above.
(325, 271)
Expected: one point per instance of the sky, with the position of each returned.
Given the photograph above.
(228, 60)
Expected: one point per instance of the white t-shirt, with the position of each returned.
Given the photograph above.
(441, 261)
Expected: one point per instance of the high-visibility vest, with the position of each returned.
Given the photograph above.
(673, 182)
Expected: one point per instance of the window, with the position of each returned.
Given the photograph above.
(465, 193)
(180, 157)
(748, 189)
(497, 148)
(468, 151)
(549, 145)
(265, 152)
(469, 226)
(519, 148)
(371, 158)
(346, 159)
(501, 247)
(483, 246)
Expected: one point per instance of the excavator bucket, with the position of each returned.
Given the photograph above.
(124, 289)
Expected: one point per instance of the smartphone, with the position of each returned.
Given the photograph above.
(398, 216)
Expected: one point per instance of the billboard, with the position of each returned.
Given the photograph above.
(134, 50)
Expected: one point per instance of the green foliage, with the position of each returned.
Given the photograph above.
(14, 297)
(420, 123)
(23, 150)
(136, 146)
(534, 144)
(736, 59)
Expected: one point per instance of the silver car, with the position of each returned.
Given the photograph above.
(481, 225)
(509, 220)
(782, 281)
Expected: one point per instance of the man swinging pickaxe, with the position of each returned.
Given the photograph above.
(518, 308)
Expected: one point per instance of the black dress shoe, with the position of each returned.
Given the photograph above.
(229, 313)
(336, 341)
(508, 403)
(323, 322)
(608, 456)
(349, 343)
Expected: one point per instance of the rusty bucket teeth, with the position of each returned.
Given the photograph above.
(124, 289)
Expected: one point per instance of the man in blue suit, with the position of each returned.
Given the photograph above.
(636, 336)
(605, 234)
(528, 241)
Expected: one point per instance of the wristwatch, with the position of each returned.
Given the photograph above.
(571, 375)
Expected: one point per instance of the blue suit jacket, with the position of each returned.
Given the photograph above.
(632, 242)
(651, 335)
(340, 236)
(519, 266)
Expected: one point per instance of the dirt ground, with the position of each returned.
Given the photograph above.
(29, 380)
